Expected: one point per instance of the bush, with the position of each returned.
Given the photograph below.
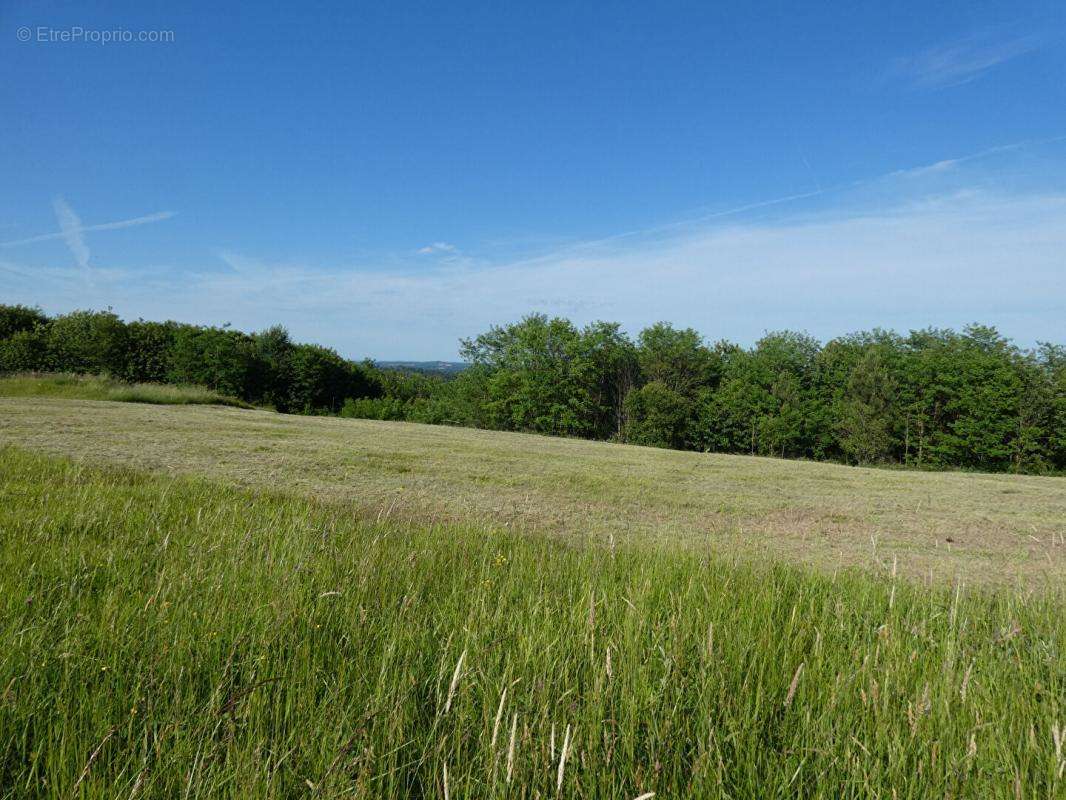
(18, 319)
(433, 411)
(23, 351)
(87, 341)
(321, 379)
(658, 416)
(219, 359)
(383, 408)
(148, 348)
(274, 351)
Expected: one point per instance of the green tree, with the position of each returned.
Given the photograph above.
(218, 358)
(274, 350)
(606, 368)
(767, 402)
(730, 418)
(24, 351)
(658, 416)
(678, 359)
(835, 392)
(970, 400)
(148, 350)
(17, 319)
(88, 341)
(866, 413)
(1051, 359)
(381, 408)
(322, 380)
(782, 429)
(466, 399)
(534, 376)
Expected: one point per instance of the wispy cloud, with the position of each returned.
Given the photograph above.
(920, 171)
(899, 252)
(961, 61)
(948, 164)
(948, 259)
(437, 247)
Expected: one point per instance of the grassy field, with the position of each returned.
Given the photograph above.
(938, 527)
(98, 387)
(176, 637)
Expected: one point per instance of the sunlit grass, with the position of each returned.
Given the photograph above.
(165, 637)
(1004, 529)
(98, 387)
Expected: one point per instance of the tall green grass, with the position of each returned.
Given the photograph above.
(98, 387)
(175, 638)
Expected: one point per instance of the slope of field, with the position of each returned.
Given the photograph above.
(981, 528)
(166, 637)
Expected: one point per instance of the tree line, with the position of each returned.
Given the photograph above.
(265, 368)
(934, 398)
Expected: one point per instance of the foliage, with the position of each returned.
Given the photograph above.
(24, 351)
(866, 410)
(322, 380)
(932, 399)
(382, 408)
(219, 359)
(149, 346)
(87, 341)
(19, 319)
(264, 368)
(677, 359)
(535, 375)
(274, 351)
(658, 416)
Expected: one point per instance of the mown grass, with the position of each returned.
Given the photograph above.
(99, 387)
(164, 637)
(939, 527)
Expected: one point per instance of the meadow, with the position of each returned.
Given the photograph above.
(218, 602)
(933, 526)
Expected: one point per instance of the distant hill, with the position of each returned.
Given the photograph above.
(432, 367)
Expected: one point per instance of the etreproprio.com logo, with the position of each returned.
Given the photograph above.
(77, 34)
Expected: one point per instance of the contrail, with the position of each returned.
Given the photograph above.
(591, 244)
(70, 228)
(78, 228)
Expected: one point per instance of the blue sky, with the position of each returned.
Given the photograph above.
(385, 178)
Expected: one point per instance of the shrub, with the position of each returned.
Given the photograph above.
(383, 408)
(87, 341)
(321, 379)
(23, 351)
(658, 416)
(148, 350)
(217, 358)
(17, 319)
